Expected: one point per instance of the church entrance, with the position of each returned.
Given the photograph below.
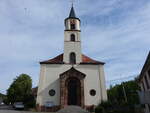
(72, 88)
(74, 91)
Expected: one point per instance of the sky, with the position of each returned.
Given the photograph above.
(116, 32)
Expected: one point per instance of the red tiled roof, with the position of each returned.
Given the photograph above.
(59, 60)
(56, 60)
(86, 60)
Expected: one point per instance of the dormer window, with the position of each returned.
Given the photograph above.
(72, 58)
(72, 37)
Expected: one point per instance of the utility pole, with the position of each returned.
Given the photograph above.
(124, 92)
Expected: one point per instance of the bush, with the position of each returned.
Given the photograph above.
(99, 109)
(108, 107)
(106, 104)
(30, 102)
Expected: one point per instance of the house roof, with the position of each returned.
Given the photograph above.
(145, 67)
(59, 60)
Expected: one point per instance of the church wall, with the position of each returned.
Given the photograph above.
(72, 47)
(102, 83)
(50, 80)
(92, 81)
(41, 83)
(67, 35)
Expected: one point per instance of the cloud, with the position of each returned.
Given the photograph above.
(114, 31)
(123, 45)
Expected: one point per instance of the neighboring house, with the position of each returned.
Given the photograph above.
(71, 78)
(144, 82)
(34, 92)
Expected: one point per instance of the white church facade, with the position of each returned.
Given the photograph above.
(71, 78)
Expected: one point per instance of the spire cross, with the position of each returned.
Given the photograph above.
(72, 2)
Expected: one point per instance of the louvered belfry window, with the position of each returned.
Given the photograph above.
(72, 58)
(72, 37)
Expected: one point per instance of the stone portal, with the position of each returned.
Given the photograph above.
(72, 88)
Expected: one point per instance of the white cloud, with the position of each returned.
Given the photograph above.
(32, 31)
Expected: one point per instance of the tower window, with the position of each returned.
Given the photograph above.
(72, 37)
(72, 58)
(73, 26)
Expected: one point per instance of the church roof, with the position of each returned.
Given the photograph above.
(59, 60)
(72, 13)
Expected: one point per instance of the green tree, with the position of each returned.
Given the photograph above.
(2, 95)
(116, 93)
(117, 103)
(20, 89)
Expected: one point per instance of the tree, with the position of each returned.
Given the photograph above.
(116, 93)
(121, 99)
(2, 95)
(20, 89)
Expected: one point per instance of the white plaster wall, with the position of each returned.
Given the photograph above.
(91, 81)
(40, 92)
(102, 83)
(68, 33)
(72, 47)
(50, 80)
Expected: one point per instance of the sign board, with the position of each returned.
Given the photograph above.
(49, 104)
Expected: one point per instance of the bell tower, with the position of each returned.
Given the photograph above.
(72, 41)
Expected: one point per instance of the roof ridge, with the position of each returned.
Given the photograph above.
(59, 60)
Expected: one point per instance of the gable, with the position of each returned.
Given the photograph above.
(59, 60)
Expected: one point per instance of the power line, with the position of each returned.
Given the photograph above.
(118, 79)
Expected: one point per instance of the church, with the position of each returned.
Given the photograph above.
(71, 78)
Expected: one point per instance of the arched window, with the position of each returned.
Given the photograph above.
(72, 58)
(72, 37)
(73, 26)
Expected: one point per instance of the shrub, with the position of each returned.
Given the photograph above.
(106, 104)
(30, 102)
(99, 109)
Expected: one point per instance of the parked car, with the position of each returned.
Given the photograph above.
(1, 103)
(18, 105)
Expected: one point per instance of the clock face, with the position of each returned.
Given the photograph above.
(72, 21)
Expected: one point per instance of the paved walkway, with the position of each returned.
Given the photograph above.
(14, 111)
(72, 109)
(69, 109)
